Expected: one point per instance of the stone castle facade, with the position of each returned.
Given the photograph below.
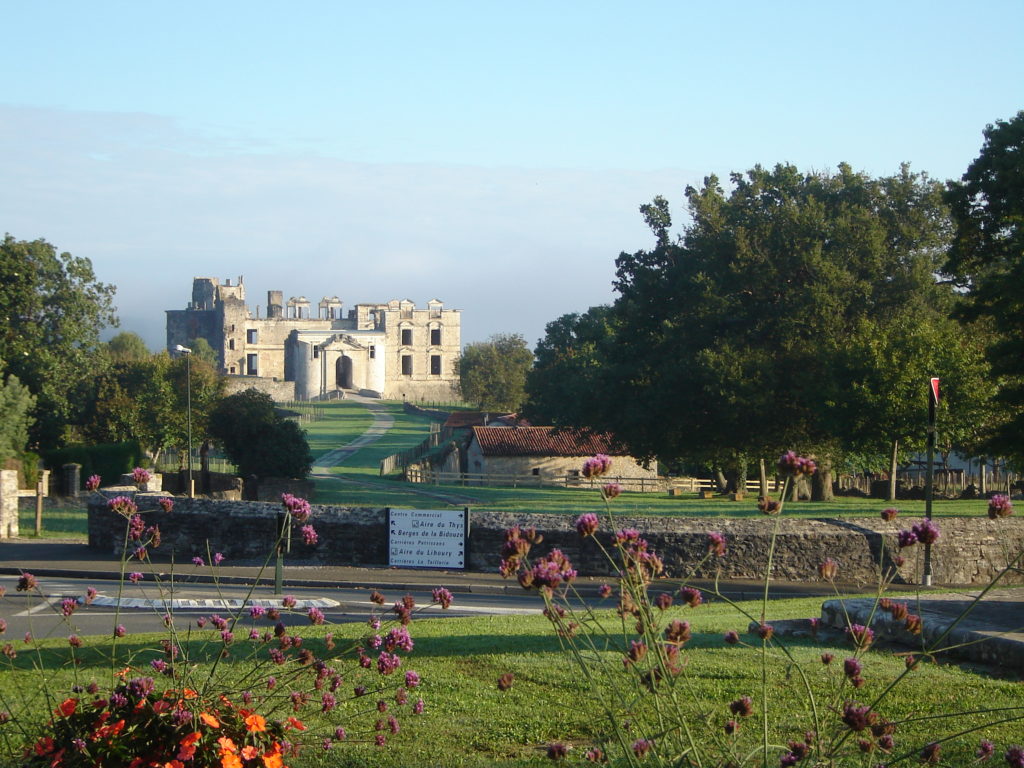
(393, 350)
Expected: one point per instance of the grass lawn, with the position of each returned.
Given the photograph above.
(469, 722)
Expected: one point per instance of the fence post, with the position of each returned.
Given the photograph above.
(39, 505)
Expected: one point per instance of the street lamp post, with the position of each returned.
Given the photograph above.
(188, 399)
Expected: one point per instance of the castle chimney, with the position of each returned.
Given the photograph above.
(275, 304)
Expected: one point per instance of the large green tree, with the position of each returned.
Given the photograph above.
(257, 439)
(492, 373)
(987, 260)
(52, 310)
(568, 368)
(16, 404)
(753, 330)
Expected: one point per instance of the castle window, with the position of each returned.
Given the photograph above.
(373, 352)
(536, 470)
(406, 337)
(435, 336)
(251, 335)
(232, 369)
(435, 365)
(407, 365)
(250, 362)
(231, 343)
(316, 351)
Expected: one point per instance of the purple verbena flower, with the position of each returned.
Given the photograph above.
(586, 524)
(135, 577)
(442, 597)
(999, 506)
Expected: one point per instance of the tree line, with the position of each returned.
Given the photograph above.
(808, 310)
(61, 385)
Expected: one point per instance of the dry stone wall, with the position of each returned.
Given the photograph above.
(970, 551)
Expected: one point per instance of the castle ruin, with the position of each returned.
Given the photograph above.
(393, 351)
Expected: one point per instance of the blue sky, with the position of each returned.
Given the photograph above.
(490, 155)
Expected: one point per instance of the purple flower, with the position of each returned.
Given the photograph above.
(716, 544)
(120, 631)
(731, 637)
(256, 611)
(399, 638)
(388, 663)
(74, 641)
(218, 558)
(743, 706)
(140, 687)
(1015, 757)
(442, 597)
(858, 717)
(309, 535)
(691, 596)
(93, 483)
(985, 750)
(605, 590)
(557, 750)
(791, 464)
(611, 490)
(316, 616)
(889, 514)
(140, 476)
(926, 531)
(298, 507)
(596, 466)
(198, 561)
(906, 539)
(166, 503)
(860, 635)
(136, 526)
(328, 702)
(641, 747)
(339, 734)
(288, 601)
(412, 680)
(227, 636)
(135, 577)
(586, 524)
(768, 506)
(68, 606)
(852, 668)
(90, 595)
(122, 505)
(159, 665)
(417, 708)
(999, 506)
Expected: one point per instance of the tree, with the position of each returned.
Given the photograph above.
(127, 347)
(52, 312)
(257, 439)
(568, 368)
(16, 404)
(987, 261)
(734, 341)
(492, 373)
(201, 350)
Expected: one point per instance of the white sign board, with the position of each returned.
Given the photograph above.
(427, 538)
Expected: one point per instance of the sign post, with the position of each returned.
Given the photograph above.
(427, 538)
(929, 482)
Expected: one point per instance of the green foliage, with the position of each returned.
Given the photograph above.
(987, 260)
(51, 312)
(108, 460)
(569, 368)
(127, 347)
(258, 440)
(794, 309)
(201, 350)
(16, 405)
(492, 373)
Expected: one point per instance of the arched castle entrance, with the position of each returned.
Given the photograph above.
(343, 372)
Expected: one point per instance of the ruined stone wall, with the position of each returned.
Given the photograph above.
(280, 391)
(970, 551)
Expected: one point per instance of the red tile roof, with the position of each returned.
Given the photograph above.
(543, 441)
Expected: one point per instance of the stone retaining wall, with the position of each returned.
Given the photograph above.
(970, 551)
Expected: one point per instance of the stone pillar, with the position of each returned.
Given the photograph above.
(72, 479)
(8, 503)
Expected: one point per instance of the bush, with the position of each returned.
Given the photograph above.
(108, 460)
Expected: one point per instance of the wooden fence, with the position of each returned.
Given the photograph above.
(402, 459)
(495, 479)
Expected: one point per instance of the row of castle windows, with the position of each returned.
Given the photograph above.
(435, 365)
(435, 337)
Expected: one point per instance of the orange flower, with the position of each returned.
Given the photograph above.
(68, 707)
(209, 719)
(296, 724)
(273, 759)
(187, 752)
(226, 744)
(250, 752)
(189, 693)
(230, 760)
(255, 722)
(44, 746)
(174, 764)
(191, 739)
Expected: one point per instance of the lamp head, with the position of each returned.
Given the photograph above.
(182, 350)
